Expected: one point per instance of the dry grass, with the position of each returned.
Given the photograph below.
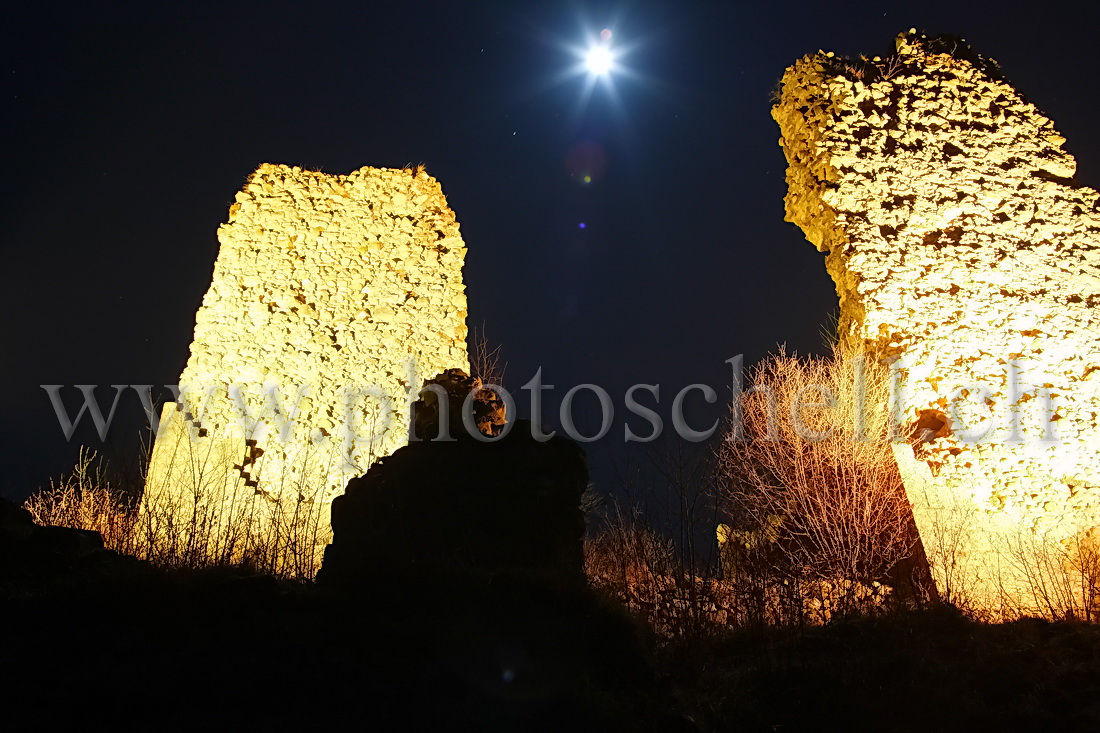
(634, 563)
(210, 518)
(1061, 579)
(203, 513)
(85, 500)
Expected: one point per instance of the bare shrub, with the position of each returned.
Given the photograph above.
(83, 499)
(626, 552)
(486, 362)
(1060, 579)
(1082, 563)
(891, 66)
(644, 570)
(808, 471)
(654, 548)
(950, 527)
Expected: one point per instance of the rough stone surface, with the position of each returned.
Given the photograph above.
(964, 251)
(464, 511)
(451, 390)
(333, 297)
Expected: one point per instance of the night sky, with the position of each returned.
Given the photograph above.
(128, 129)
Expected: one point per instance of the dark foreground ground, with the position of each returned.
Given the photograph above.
(108, 641)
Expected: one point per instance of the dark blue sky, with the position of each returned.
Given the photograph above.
(128, 129)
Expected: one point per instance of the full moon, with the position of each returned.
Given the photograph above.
(599, 60)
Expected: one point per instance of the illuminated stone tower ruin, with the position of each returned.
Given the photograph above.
(333, 298)
(964, 252)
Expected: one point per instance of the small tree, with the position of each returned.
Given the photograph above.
(808, 465)
(486, 362)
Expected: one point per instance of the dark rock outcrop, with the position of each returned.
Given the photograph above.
(464, 511)
(31, 551)
(472, 552)
(453, 598)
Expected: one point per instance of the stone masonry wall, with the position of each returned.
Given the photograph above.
(964, 252)
(333, 298)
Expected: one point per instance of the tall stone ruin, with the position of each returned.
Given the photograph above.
(963, 252)
(333, 298)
